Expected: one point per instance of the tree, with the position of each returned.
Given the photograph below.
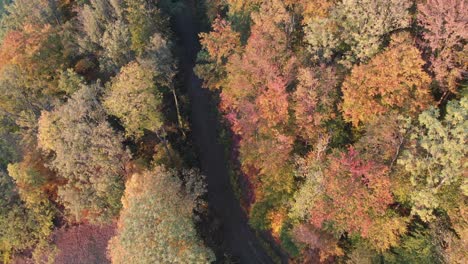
(117, 30)
(242, 5)
(142, 110)
(316, 239)
(116, 44)
(218, 46)
(8, 142)
(315, 100)
(158, 56)
(3, 4)
(20, 227)
(144, 20)
(314, 9)
(32, 41)
(309, 170)
(22, 97)
(344, 194)
(70, 82)
(445, 35)
(157, 197)
(393, 80)
(355, 193)
(87, 153)
(104, 32)
(385, 232)
(221, 42)
(18, 93)
(84, 243)
(435, 162)
(355, 28)
(322, 37)
(272, 102)
(417, 247)
(20, 13)
(36, 186)
(36, 50)
(254, 96)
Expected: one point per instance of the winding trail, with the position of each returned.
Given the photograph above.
(239, 240)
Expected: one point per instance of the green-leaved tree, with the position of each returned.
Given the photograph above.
(436, 163)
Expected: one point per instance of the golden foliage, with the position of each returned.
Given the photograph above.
(392, 80)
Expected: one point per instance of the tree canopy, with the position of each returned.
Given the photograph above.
(94, 179)
(340, 125)
(135, 84)
(393, 80)
(437, 159)
(157, 196)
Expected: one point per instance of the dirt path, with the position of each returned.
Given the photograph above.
(238, 239)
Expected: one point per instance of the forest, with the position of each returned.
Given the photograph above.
(233, 131)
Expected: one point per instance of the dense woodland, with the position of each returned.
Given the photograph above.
(349, 123)
(345, 124)
(88, 103)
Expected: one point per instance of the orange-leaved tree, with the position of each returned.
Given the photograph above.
(392, 80)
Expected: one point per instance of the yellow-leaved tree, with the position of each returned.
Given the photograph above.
(156, 223)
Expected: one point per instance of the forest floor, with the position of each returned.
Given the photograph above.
(238, 239)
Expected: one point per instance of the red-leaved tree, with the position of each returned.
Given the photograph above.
(83, 244)
(355, 193)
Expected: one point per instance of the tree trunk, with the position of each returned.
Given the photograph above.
(179, 117)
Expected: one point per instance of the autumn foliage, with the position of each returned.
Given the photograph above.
(355, 192)
(301, 81)
(156, 197)
(254, 94)
(314, 101)
(83, 243)
(344, 125)
(445, 34)
(392, 81)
